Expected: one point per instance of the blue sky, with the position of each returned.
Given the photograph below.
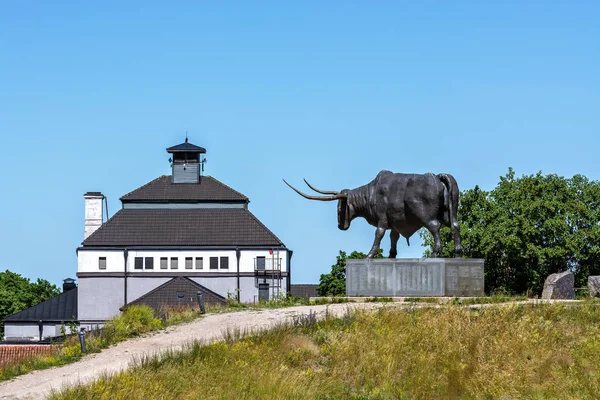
(91, 95)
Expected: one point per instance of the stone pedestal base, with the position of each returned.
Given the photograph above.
(415, 277)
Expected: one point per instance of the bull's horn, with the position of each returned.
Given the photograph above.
(320, 191)
(322, 198)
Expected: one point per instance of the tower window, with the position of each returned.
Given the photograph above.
(199, 263)
(214, 263)
(188, 262)
(101, 262)
(164, 262)
(174, 262)
(224, 262)
(139, 263)
(149, 261)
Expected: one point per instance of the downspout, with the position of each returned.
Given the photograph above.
(289, 271)
(238, 254)
(125, 255)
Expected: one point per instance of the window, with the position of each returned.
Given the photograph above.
(188, 262)
(101, 262)
(180, 295)
(139, 263)
(260, 262)
(199, 263)
(224, 262)
(214, 263)
(174, 261)
(149, 261)
(164, 262)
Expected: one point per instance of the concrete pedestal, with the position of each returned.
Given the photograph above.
(415, 277)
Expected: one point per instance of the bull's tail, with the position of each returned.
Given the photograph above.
(452, 205)
(452, 198)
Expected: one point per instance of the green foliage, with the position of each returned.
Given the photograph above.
(134, 321)
(379, 300)
(18, 293)
(528, 228)
(334, 283)
(516, 352)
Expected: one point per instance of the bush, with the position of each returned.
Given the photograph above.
(134, 321)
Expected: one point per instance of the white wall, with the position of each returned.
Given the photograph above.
(87, 260)
(31, 331)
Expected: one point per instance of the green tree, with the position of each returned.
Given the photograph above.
(334, 283)
(18, 293)
(529, 227)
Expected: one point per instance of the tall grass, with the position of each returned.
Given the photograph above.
(516, 352)
(134, 321)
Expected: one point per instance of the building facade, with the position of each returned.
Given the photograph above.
(183, 225)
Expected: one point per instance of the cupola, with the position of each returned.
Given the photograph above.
(187, 162)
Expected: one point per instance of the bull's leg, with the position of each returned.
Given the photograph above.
(455, 228)
(434, 227)
(379, 233)
(394, 236)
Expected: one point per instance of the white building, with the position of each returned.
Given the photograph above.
(181, 226)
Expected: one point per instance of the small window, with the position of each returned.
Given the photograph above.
(174, 262)
(214, 263)
(180, 296)
(188, 262)
(224, 262)
(260, 263)
(199, 263)
(139, 263)
(164, 263)
(149, 262)
(101, 262)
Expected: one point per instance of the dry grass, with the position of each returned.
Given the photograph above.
(512, 352)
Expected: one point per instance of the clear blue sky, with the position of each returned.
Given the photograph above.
(91, 95)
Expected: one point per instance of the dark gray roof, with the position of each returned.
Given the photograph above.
(178, 292)
(186, 148)
(303, 290)
(184, 227)
(61, 308)
(162, 189)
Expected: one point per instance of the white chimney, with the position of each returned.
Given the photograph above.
(93, 212)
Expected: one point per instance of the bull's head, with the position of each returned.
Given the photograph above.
(345, 208)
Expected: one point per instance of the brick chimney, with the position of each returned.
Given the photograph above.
(93, 212)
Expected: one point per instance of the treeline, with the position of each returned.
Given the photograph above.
(18, 293)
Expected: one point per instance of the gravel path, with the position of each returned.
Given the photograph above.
(37, 384)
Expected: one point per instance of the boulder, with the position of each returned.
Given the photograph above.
(594, 285)
(559, 286)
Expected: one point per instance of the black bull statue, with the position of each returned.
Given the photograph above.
(402, 203)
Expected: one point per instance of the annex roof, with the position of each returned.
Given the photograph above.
(179, 291)
(61, 308)
(162, 189)
(182, 227)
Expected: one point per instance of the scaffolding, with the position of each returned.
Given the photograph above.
(267, 275)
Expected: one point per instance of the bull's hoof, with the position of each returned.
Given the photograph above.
(392, 255)
(458, 250)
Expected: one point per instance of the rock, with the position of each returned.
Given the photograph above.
(594, 286)
(559, 286)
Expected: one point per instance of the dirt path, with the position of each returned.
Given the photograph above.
(37, 384)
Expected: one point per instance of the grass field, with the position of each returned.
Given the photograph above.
(503, 352)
